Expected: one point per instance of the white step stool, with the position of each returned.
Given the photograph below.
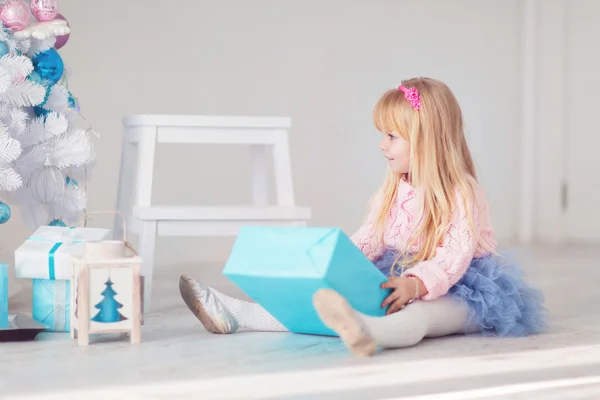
(143, 132)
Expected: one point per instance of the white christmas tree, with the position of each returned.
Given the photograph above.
(44, 154)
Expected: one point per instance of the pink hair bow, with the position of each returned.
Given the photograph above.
(412, 95)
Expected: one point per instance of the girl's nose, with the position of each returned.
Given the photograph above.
(383, 145)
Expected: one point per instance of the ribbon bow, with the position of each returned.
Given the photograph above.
(58, 238)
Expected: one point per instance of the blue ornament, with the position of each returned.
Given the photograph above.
(57, 222)
(3, 49)
(49, 65)
(4, 213)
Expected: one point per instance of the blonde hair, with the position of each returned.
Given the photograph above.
(440, 163)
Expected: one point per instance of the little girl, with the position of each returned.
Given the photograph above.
(428, 230)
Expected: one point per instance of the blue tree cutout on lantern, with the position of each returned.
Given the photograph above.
(109, 307)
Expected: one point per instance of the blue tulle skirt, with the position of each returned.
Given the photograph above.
(501, 301)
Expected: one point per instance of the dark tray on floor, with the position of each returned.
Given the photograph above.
(21, 328)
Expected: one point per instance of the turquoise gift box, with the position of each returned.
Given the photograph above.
(281, 268)
(51, 304)
(45, 257)
(3, 296)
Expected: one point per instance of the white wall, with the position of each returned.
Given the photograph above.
(550, 122)
(323, 63)
(566, 125)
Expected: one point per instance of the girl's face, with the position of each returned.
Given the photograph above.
(397, 152)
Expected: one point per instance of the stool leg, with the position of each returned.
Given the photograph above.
(145, 167)
(143, 198)
(126, 184)
(147, 241)
(283, 171)
(260, 183)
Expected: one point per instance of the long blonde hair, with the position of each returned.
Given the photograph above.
(440, 163)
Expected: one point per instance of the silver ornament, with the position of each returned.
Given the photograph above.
(46, 184)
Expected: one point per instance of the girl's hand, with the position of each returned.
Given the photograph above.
(404, 290)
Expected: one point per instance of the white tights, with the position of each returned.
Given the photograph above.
(407, 327)
(421, 319)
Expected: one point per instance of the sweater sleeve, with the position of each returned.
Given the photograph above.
(365, 238)
(451, 259)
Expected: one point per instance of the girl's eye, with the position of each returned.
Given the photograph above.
(392, 137)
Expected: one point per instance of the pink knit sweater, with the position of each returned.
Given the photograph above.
(451, 259)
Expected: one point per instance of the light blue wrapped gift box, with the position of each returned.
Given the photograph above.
(45, 257)
(281, 268)
(51, 304)
(3, 296)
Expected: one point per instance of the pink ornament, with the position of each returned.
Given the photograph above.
(44, 10)
(62, 39)
(14, 15)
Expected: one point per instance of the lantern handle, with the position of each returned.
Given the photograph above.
(123, 219)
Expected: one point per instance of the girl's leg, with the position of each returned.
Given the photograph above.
(223, 314)
(363, 334)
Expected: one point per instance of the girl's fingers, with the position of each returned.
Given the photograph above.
(392, 297)
(387, 285)
(391, 283)
(396, 306)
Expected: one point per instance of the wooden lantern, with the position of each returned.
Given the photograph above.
(106, 294)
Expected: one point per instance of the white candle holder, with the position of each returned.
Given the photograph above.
(106, 292)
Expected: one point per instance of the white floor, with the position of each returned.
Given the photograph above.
(179, 360)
